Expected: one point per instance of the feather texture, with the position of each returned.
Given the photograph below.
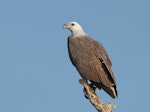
(92, 62)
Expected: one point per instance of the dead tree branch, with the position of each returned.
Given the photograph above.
(94, 100)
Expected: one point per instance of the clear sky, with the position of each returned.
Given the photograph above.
(36, 74)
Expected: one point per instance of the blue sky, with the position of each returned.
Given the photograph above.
(35, 71)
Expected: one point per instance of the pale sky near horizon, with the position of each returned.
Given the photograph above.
(36, 74)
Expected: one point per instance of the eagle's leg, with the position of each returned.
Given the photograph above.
(85, 92)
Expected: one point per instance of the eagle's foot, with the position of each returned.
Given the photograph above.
(85, 92)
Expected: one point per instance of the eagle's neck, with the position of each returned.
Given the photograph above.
(78, 33)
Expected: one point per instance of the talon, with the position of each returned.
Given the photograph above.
(85, 93)
(93, 87)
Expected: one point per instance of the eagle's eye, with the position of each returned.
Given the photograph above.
(72, 24)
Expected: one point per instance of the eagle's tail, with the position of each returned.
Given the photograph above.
(112, 91)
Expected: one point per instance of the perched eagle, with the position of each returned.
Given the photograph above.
(90, 59)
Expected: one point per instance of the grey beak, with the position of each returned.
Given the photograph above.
(64, 26)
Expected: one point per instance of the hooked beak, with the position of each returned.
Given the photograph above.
(65, 26)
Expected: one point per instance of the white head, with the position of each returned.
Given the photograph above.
(75, 28)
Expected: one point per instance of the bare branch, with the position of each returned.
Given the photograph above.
(95, 101)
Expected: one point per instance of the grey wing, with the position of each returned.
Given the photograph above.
(106, 76)
(105, 61)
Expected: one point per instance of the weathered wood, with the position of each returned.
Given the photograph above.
(95, 100)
